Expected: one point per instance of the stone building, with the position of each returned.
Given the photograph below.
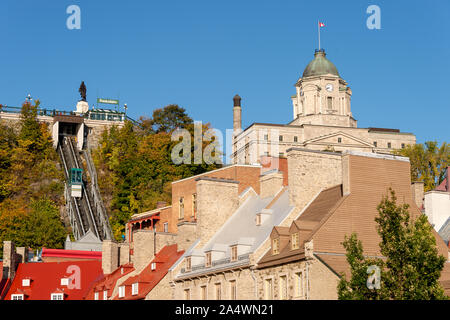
(306, 259)
(322, 120)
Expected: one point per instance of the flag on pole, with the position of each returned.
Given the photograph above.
(321, 24)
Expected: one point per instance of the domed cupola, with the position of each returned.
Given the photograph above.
(320, 66)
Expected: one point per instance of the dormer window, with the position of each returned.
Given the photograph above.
(96, 296)
(294, 241)
(134, 288)
(258, 219)
(57, 296)
(105, 294)
(121, 291)
(153, 266)
(26, 282)
(188, 264)
(17, 297)
(275, 246)
(64, 281)
(234, 253)
(208, 260)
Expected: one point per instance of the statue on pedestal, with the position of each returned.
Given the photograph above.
(82, 91)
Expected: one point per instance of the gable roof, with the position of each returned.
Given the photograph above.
(46, 279)
(308, 220)
(149, 278)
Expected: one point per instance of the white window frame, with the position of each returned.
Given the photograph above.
(57, 296)
(298, 284)
(121, 291)
(64, 281)
(266, 293)
(26, 282)
(17, 297)
(105, 294)
(135, 288)
(283, 294)
(153, 266)
(96, 295)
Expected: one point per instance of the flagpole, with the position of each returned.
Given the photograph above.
(318, 27)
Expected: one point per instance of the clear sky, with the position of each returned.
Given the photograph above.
(199, 54)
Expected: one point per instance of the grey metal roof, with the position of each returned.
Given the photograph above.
(241, 227)
(444, 232)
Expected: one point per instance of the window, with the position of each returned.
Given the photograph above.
(294, 241)
(330, 103)
(233, 290)
(339, 140)
(266, 137)
(105, 294)
(268, 292)
(181, 209)
(403, 146)
(64, 281)
(208, 259)
(298, 285)
(188, 263)
(389, 145)
(281, 138)
(281, 155)
(234, 255)
(134, 288)
(26, 282)
(375, 144)
(218, 287)
(166, 227)
(258, 219)
(203, 292)
(266, 154)
(275, 246)
(96, 296)
(194, 204)
(295, 139)
(283, 287)
(187, 294)
(17, 297)
(153, 266)
(121, 291)
(56, 296)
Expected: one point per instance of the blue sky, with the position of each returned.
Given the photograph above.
(199, 54)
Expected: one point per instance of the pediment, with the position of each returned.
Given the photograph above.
(346, 140)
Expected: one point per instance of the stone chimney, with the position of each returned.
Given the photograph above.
(22, 254)
(270, 183)
(110, 256)
(10, 260)
(124, 253)
(237, 112)
(417, 189)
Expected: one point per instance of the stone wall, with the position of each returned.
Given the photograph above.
(310, 172)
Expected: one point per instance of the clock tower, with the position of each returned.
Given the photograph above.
(322, 96)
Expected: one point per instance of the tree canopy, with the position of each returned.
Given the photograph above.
(411, 267)
(134, 164)
(428, 162)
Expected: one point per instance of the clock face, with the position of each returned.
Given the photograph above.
(329, 87)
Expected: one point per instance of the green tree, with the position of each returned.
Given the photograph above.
(169, 118)
(412, 266)
(428, 162)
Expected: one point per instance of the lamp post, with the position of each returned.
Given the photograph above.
(125, 107)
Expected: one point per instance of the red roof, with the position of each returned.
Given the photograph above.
(71, 254)
(46, 279)
(443, 186)
(149, 278)
(108, 282)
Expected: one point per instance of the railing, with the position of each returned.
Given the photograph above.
(216, 263)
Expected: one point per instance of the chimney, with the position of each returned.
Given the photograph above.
(270, 183)
(124, 253)
(10, 260)
(22, 254)
(417, 193)
(110, 256)
(237, 112)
